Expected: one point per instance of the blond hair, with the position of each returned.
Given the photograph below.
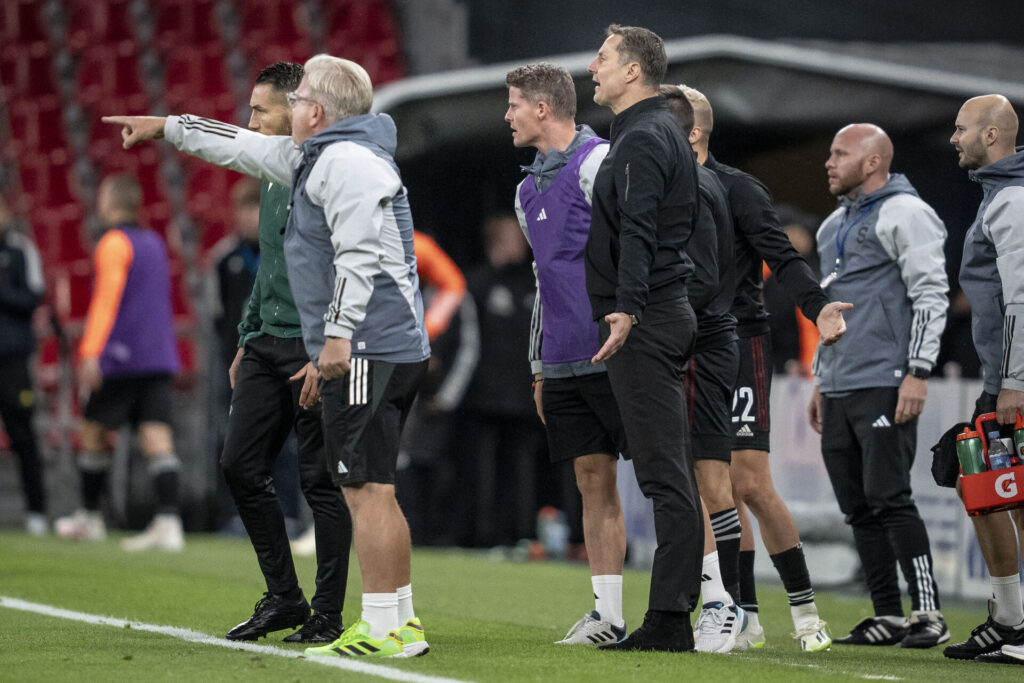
(703, 116)
(340, 86)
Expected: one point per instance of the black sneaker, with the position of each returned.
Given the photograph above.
(927, 629)
(322, 627)
(272, 613)
(989, 637)
(874, 631)
(660, 632)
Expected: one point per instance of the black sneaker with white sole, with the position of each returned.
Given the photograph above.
(874, 631)
(927, 629)
(988, 637)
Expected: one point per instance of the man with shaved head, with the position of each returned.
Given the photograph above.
(882, 250)
(992, 276)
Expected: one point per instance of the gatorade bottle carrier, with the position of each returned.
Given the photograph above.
(994, 490)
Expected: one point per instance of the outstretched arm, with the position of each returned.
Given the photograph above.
(268, 157)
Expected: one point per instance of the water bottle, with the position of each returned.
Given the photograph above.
(998, 453)
(970, 452)
(553, 531)
(1018, 440)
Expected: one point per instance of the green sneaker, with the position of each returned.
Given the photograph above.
(414, 642)
(356, 642)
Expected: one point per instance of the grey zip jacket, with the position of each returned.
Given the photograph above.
(992, 273)
(349, 238)
(892, 268)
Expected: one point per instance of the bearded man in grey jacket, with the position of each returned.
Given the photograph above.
(350, 259)
(881, 250)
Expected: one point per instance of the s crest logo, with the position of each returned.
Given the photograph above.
(1006, 487)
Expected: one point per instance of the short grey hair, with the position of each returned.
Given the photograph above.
(340, 86)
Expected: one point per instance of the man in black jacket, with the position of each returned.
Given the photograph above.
(645, 205)
(21, 291)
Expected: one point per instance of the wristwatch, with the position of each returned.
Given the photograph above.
(633, 319)
(919, 372)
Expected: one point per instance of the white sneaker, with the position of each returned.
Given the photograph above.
(305, 545)
(592, 630)
(813, 636)
(163, 533)
(752, 636)
(82, 525)
(36, 524)
(718, 627)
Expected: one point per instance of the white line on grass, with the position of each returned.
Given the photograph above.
(198, 637)
(870, 677)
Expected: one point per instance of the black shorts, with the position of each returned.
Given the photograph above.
(131, 400)
(363, 415)
(582, 417)
(710, 378)
(751, 399)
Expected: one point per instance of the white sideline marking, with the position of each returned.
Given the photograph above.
(198, 637)
(869, 677)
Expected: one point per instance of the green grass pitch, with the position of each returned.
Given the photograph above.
(485, 620)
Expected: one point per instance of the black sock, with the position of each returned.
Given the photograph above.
(93, 470)
(726, 526)
(166, 486)
(792, 568)
(748, 593)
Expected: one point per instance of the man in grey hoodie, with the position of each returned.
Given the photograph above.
(992, 275)
(881, 250)
(350, 259)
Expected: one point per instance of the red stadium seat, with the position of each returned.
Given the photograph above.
(109, 71)
(269, 21)
(184, 22)
(26, 69)
(22, 21)
(94, 23)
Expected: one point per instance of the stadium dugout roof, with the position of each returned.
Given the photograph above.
(761, 85)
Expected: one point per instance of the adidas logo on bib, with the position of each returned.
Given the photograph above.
(744, 431)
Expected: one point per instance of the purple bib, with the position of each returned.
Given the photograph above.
(558, 221)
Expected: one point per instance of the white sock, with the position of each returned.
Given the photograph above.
(608, 597)
(804, 615)
(753, 621)
(894, 620)
(1006, 591)
(405, 610)
(380, 611)
(711, 587)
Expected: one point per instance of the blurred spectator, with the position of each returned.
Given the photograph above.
(236, 268)
(427, 469)
(957, 356)
(21, 291)
(128, 356)
(794, 337)
(504, 445)
(238, 260)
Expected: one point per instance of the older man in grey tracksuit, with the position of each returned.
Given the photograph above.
(352, 268)
(882, 250)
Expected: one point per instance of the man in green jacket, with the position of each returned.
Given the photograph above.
(273, 390)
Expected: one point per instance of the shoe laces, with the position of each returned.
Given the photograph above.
(579, 624)
(262, 602)
(711, 620)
